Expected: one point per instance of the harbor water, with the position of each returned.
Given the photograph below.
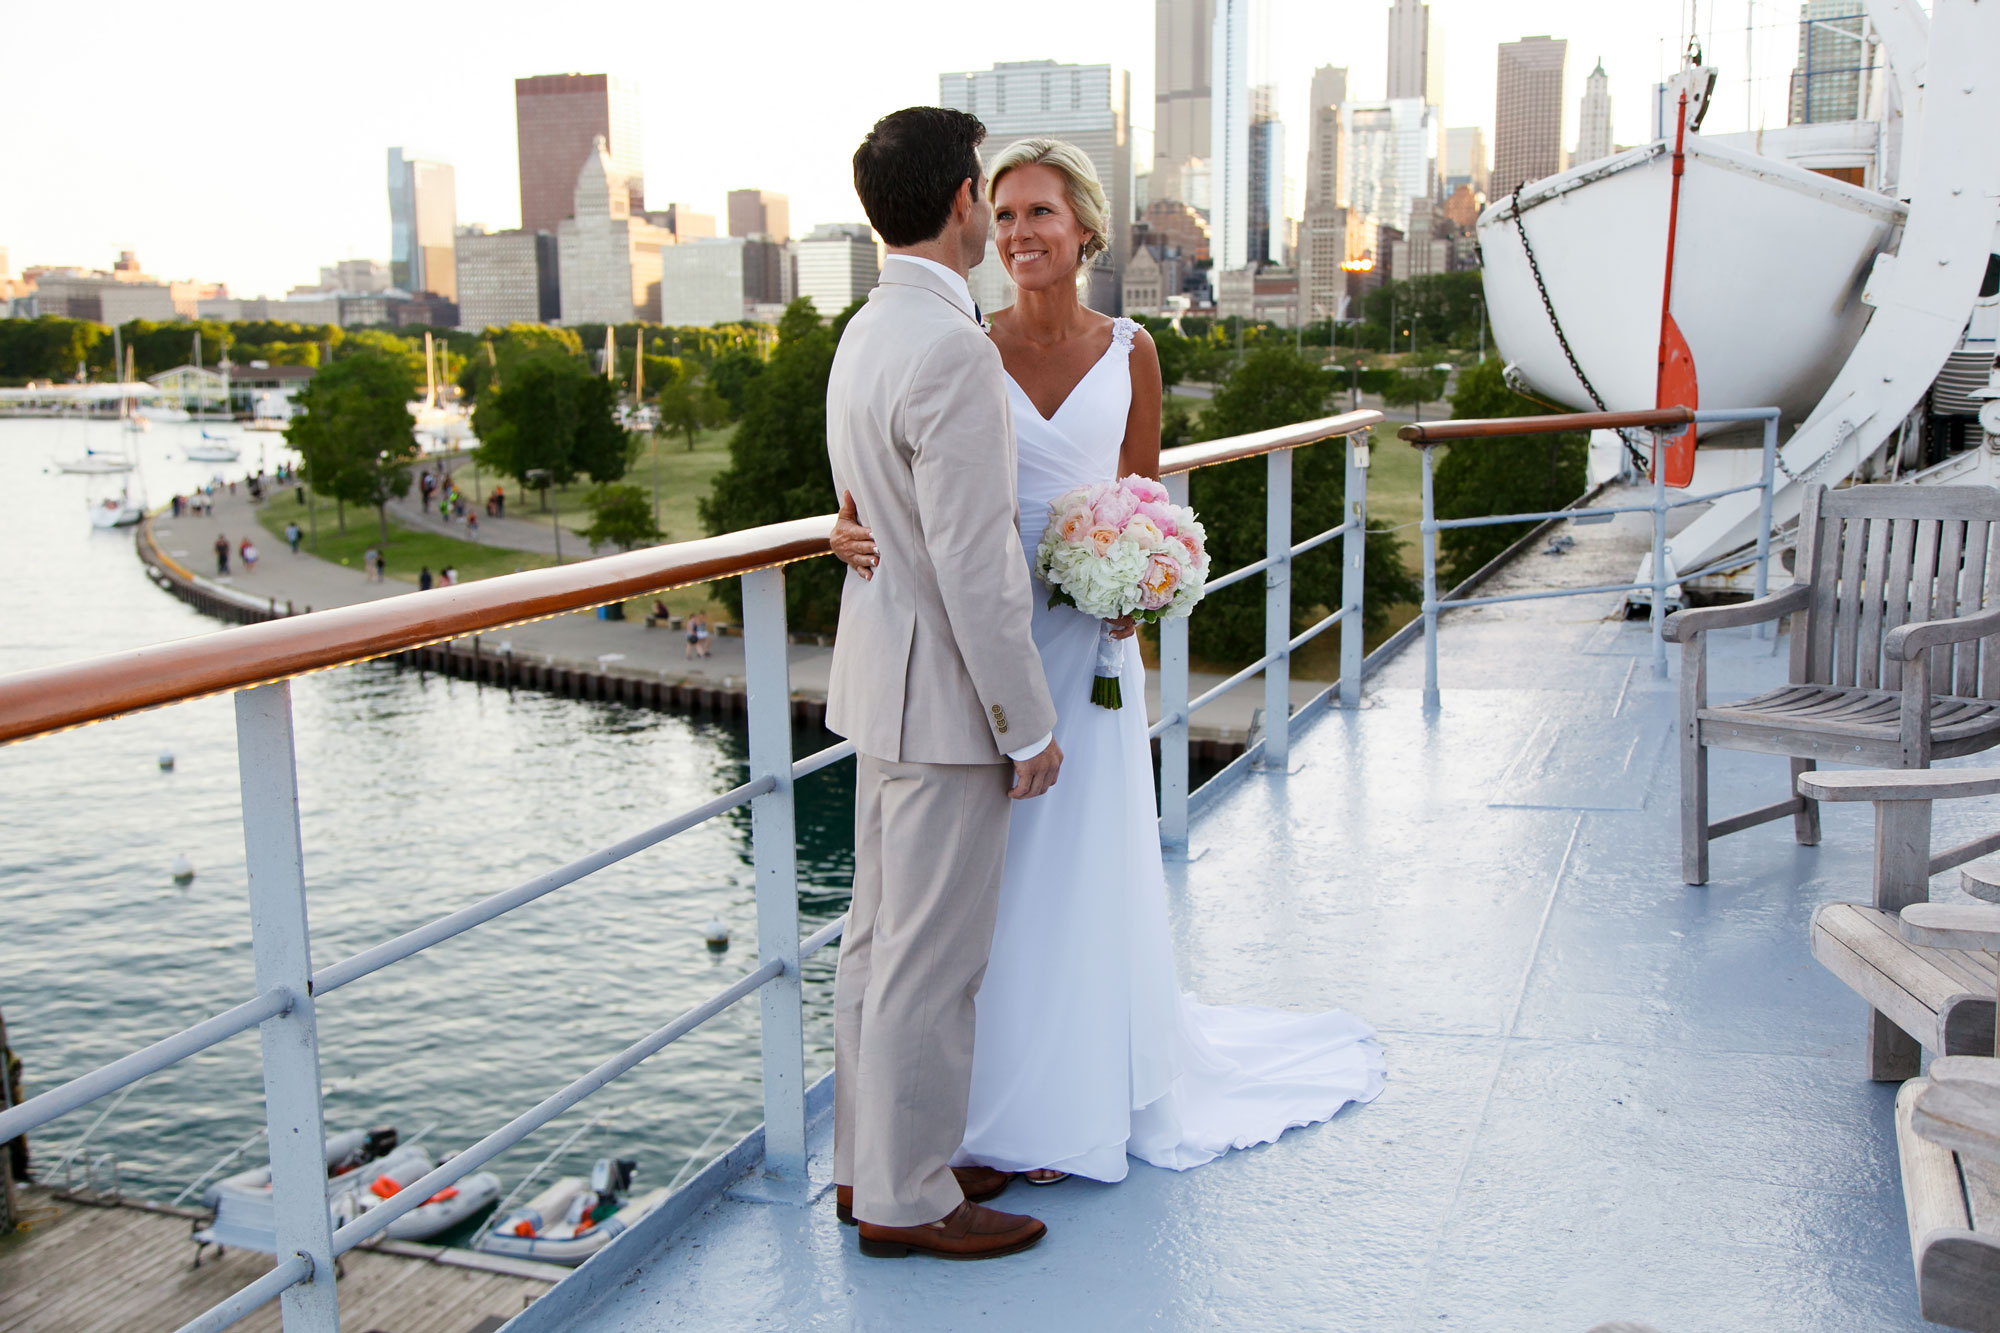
(419, 794)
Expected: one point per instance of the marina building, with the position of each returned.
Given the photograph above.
(608, 256)
(1087, 105)
(838, 263)
(1528, 112)
(1593, 133)
(557, 119)
(760, 213)
(423, 216)
(506, 277)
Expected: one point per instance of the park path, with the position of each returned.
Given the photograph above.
(305, 582)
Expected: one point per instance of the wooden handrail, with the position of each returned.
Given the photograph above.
(1188, 457)
(59, 698)
(1436, 432)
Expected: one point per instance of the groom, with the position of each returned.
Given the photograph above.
(937, 682)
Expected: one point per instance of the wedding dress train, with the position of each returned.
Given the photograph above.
(1086, 1050)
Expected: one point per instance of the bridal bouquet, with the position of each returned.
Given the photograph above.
(1120, 548)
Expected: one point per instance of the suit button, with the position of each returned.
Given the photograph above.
(1000, 719)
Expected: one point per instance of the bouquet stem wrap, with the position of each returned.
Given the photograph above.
(1106, 690)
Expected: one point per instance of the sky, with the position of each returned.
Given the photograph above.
(249, 146)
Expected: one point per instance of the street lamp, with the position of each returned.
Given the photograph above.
(539, 478)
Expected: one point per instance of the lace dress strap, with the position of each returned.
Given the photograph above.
(1123, 330)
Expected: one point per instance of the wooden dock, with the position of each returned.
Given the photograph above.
(78, 1267)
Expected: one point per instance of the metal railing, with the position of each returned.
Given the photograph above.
(1660, 575)
(257, 663)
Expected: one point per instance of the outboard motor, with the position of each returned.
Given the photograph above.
(612, 1176)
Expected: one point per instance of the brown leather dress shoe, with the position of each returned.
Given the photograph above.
(979, 1184)
(967, 1232)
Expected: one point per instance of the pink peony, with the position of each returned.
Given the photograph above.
(1146, 490)
(1115, 508)
(1147, 533)
(1160, 581)
(1162, 515)
(1193, 544)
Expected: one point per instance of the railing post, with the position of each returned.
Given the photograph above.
(1278, 609)
(1659, 617)
(1353, 553)
(281, 943)
(1429, 529)
(774, 853)
(1174, 696)
(1764, 502)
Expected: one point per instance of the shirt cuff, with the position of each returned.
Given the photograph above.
(1027, 752)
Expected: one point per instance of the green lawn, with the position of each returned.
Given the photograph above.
(409, 549)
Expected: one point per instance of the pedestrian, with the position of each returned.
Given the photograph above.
(450, 575)
(499, 503)
(368, 559)
(381, 566)
(248, 551)
(221, 554)
(177, 506)
(424, 579)
(444, 509)
(292, 535)
(472, 525)
(697, 634)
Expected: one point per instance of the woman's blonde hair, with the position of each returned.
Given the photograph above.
(1086, 194)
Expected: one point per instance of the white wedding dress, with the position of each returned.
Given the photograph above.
(1086, 1049)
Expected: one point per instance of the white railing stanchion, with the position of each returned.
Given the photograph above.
(774, 852)
(1659, 615)
(1764, 515)
(1278, 609)
(281, 943)
(1429, 529)
(1353, 554)
(1174, 712)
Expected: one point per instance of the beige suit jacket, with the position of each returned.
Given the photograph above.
(935, 660)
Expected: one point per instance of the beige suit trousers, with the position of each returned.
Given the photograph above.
(929, 843)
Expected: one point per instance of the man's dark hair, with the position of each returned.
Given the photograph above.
(909, 168)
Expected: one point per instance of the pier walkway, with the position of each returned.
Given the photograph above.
(1611, 1096)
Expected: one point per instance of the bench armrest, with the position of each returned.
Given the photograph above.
(1961, 1116)
(1951, 925)
(1898, 784)
(1905, 641)
(1697, 620)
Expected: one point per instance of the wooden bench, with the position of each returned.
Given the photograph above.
(1922, 994)
(1948, 1143)
(1895, 660)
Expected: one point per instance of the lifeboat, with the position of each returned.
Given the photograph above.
(573, 1218)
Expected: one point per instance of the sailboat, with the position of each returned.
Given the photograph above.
(441, 424)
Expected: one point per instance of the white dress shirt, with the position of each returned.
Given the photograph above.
(962, 294)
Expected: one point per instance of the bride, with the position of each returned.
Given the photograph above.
(1086, 1051)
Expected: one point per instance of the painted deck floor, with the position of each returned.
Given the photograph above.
(1611, 1096)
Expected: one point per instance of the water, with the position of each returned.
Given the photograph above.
(418, 794)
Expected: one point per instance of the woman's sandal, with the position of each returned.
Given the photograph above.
(1045, 1177)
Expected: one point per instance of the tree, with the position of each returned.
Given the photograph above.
(731, 375)
(551, 414)
(1407, 389)
(356, 437)
(689, 406)
(1275, 387)
(1509, 475)
(500, 347)
(48, 348)
(621, 515)
(778, 468)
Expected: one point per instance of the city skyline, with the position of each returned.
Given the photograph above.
(315, 194)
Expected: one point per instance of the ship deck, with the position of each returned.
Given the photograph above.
(1611, 1096)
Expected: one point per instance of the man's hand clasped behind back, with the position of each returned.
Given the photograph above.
(1034, 776)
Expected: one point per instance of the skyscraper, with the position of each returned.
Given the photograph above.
(1465, 158)
(1391, 156)
(1324, 143)
(607, 255)
(556, 118)
(423, 218)
(1833, 78)
(1528, 112)
(1266, 176)
(1593, 122)
(760, 213)
(1229, 135)
(1087, 105)
(1182, 116)
(1323, 227)
(1416, 53)
(506, 277)
(838, 263)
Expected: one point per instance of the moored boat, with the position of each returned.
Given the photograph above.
(572, 1219)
